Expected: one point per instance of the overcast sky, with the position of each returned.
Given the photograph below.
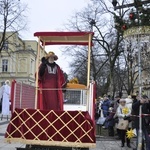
(51, 15)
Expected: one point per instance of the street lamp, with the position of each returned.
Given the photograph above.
(92, 23)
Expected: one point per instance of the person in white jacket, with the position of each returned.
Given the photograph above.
(6, 99)
(121, 114)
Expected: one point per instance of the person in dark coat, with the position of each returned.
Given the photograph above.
(110, 120)
(145, 103)
(105, 106)
(116, 104)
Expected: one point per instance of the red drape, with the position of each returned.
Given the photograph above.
(71, 129)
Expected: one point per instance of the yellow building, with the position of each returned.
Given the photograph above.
(18, 59)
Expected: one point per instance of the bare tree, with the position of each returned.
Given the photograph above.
(99, 18)
(112, 66)
(12, 18)
(126, 71)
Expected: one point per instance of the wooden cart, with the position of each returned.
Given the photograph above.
(47, 130)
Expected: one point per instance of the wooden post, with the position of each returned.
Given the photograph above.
(89, 60)
(37, 68)
(88, 70)
(44, 48)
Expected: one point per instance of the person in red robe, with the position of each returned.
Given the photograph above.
(51, 81)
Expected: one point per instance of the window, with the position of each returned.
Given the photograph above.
(5, 46)
(23, 65)
(29, 47)
(4, 65)
(32, 67)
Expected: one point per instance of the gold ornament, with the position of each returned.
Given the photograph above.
(74, 81)
(125, 110)
(130, 134)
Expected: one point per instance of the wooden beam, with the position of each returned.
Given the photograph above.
(37, 75)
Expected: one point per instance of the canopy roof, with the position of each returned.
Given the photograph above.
(64, 38)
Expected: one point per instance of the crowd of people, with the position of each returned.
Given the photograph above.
(111, 113)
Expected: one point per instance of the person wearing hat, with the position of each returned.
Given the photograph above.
(51, 78)
(121, 114)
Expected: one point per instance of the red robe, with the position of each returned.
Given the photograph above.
(51, 96)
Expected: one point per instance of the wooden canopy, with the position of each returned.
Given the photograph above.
(64, 38)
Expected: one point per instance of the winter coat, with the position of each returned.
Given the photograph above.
(105, 107)
(121, 115)
(145, 110)
(110, 118)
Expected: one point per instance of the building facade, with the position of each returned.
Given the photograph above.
(18, 59)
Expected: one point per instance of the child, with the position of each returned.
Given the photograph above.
(110, 120)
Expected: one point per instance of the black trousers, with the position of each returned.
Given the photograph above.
(118, 133)
(123, 137)
(110, 130)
